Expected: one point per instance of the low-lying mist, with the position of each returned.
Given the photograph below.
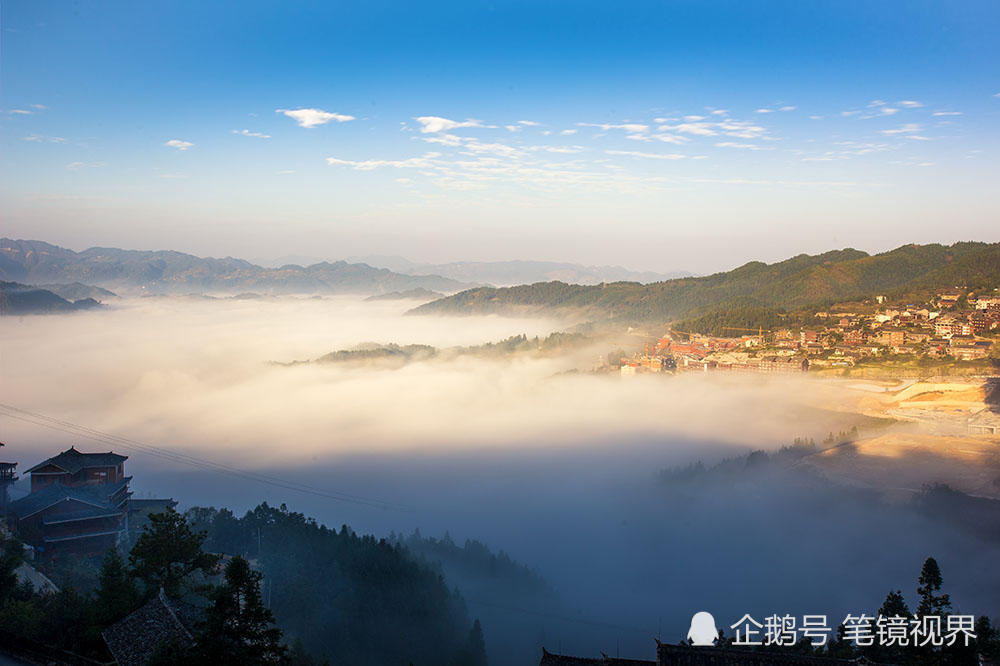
(560, 469)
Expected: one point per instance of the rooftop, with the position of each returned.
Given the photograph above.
(98, 495)
(72, 461)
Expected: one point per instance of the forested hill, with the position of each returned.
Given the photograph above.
(798, 282)
(175, 272)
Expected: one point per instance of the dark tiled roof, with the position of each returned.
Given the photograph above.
(134, 503)
(550, 659)
(135, 639)
(97, 495)
(73, 461)
(668, 655)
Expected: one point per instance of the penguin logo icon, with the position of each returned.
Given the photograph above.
(703, 631)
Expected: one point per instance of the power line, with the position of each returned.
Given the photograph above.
(53, 423)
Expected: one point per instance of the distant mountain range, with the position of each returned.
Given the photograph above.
(506, 273)
(21, 299)
(37, 262)
(799, 282)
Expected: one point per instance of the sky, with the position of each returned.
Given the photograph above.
(664, 136)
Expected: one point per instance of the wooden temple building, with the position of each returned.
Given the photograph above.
(78, 502)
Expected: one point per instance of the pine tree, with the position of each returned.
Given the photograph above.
(239, 628)
(167, 552)
(117, 595)
(894, 605)
(474, 651)
(931, 603)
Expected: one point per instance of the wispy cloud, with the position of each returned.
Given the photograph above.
(246, 132)
(741, 146)
(434, 124)
(947, 113)
(651, 156)
(75, 166)
(422, 162)
(910, 104)
(179, 144)
(628, 127)
(310, 118)
(20, 112)
(908, 128)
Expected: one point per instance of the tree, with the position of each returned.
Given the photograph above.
(167, 552)
(117, 595)
(931, 603)
(894, 605)
(238, 628)
(474, 652)
(11, 557)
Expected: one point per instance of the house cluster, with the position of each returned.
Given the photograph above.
(954, 325)
(78, 502)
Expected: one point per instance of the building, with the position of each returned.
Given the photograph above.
(160, 624)
(72, 468)
(8, 475)
(78, 502)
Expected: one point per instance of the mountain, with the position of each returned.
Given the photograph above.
(78, 291)
(176, 272)
(418, 294)
(505, 273)
(22, 299)
(798, 282)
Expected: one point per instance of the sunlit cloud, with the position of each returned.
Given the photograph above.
(368, 165)
(310, 118)
(652, 156)
(947, 113)
(908, 128)
(910, 104)
(179, 144)
(434, 124)
(246, 132)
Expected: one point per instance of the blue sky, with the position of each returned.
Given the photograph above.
(657, 135)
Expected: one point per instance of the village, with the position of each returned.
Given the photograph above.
(955, 325)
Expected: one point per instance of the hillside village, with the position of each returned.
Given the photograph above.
(954, 326)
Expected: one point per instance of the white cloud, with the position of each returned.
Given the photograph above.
(567, 132)
(910, 104)
(567, 150)
(513, 128)
(669, 138)
(528, 123)
(628, 127)
(947, 113)
(246, 132)
(433, 124)
(20, 112)
(73, 166)
(765, 111)
(423, 162)
(652, 156)
(733, 144)
(888, 111)
(40, 107)
(909, 128)
(178, 144)
(313, 117)
(917, 137)
(787, 108)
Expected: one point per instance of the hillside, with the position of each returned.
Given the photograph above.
(802, 281)
(23, 299)
(506, 273)
(176, 272)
